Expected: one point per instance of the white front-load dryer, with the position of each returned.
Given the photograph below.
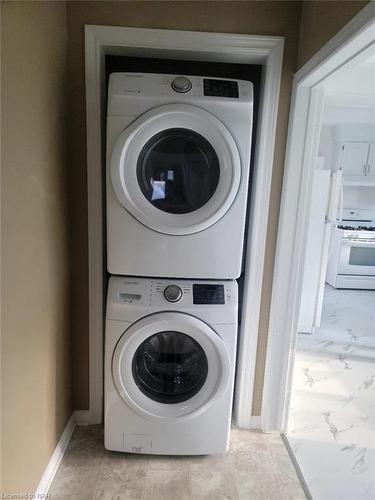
(178, 160)
(170, 351)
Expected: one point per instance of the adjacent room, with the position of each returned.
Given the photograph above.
(331, 423)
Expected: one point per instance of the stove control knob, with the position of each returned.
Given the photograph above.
(181, 84)
(173, 293)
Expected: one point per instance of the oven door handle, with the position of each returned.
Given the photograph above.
(358, 243)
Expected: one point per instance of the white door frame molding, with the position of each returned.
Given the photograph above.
(232, 48)
(302, 144)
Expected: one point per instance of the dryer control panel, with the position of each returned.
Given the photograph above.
(220, 88)
(126, 293)
(134, 93)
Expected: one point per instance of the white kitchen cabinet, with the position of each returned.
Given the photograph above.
(371, 163)
(357, 160)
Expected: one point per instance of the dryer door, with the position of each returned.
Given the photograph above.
(176, 169)
(170, 365)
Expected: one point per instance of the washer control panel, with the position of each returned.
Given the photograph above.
(172, 293)
(192, 293)
(208, 294)
(217, 299)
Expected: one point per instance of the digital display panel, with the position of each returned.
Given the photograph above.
(208, 294)
(220, 88)
(129, 296)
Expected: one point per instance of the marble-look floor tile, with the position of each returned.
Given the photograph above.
(331, 425)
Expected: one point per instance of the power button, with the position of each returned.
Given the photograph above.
(173, 293)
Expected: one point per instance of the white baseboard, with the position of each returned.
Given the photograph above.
(256, 422)
(54, 462)
(82, 417)
(253, 423)
(85, 417)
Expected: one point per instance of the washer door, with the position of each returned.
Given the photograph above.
(176, 169)
(170, 365)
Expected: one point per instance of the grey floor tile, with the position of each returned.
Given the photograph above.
(76, 482)
(251, 458)
(258, 486)
(212, 484)
(257, 467)
(168, 484)
(286, 473)
(175, 463)
(211, 462)
(123, 462)
(117, 483)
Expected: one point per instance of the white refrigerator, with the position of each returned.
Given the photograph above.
(325, 214)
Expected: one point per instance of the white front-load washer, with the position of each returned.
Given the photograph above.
(170, 351)
(178, 160)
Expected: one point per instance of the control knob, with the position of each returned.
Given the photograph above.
(173, 293)
(181, 84)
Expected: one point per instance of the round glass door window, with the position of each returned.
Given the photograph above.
(178, 171)
(170, 367)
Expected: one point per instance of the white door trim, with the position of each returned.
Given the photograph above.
(304, 129)
(268, 51)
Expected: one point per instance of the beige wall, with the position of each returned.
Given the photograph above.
(35, 362)
(258, 18)
(320, 21)
(36, 202)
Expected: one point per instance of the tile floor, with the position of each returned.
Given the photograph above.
(257, 467)
(331, 424)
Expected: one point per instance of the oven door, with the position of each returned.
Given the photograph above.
(357, 257)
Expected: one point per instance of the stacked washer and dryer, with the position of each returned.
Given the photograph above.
(178, 160)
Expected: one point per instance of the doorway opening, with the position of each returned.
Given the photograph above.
(319, 392)
(102, 41)
(331, 417)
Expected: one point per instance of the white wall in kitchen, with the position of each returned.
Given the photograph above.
(326, 146)
(332, 134)
(359, 197)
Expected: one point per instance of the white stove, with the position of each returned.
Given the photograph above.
(352, 260)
